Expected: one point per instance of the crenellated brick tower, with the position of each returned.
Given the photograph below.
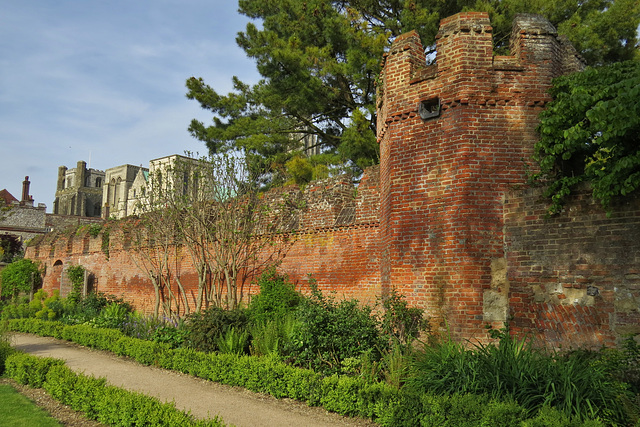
(454, 137)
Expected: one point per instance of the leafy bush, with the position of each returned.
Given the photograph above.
(172, 335)
(37, 326)
(113, 315)
(99, 401)
(29, 370)
(51, 308)
(514, 369)
(10, 247)
(94, 230)
(204, 328)
(19, 309)
(20, 276)
(401, 322)
(233, 341)
(272, 337)
(5, 344)
(90, 307)
(142, 327)
(328, 332)
(276, 299)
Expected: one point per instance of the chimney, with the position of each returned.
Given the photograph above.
(26, 199)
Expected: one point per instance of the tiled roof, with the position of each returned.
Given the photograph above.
(7, 197)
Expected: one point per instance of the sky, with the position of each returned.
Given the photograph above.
(104, 82)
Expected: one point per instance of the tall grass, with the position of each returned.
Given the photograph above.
(513, 368)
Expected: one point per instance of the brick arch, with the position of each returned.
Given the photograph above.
(56, 274)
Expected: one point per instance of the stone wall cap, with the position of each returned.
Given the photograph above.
(530, 23)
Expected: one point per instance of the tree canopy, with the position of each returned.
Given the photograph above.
(319, 61)
(591, 133)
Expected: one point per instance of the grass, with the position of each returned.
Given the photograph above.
(18, 411)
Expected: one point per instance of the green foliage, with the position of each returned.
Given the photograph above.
(76, 276)
(354, 396)
(514, 369)
(272, 337)
(328, 332)
(29, 370)
(591, 133)
(551, 417)
(105, 242)
(302, 170)
(94, 230)
(36, 326)
(624, 363)
(320, 59)
(112, 316)
(401, 322)
(5, 344)
(10, 248)
(20, 276)
(90, 307)
(99, 401)
(146, 327)
(49, 307)
(276, 299)
(173, 336)
(233, 341)
(206, 327)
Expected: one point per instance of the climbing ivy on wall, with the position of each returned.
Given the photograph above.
(76, 276)
(591, 133)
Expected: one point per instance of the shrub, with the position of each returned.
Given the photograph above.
(233, 341)
(29, 370)
(90, 307)
(174, 336)
(142, 327)
(328, 332)
(113, 315)
(20, 276)
(94, 230)
(204, 328)
(276, 299)
(5, 344)
(272, 337)
(99, 401)
(401, 322)
(385, 404)
(51, 308)
(514, 369)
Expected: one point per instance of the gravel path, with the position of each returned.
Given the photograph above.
(234, 405)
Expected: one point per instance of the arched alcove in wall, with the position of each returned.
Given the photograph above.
(56, 274)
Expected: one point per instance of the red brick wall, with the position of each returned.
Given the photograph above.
(335, 239)
(574, 277)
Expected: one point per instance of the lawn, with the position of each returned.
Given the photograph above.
(17, 410)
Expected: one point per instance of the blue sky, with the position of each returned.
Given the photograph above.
(103, 82)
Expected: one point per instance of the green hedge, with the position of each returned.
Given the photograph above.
(351, 396)
(107, 404)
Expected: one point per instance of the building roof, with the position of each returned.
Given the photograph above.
(7, 197)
